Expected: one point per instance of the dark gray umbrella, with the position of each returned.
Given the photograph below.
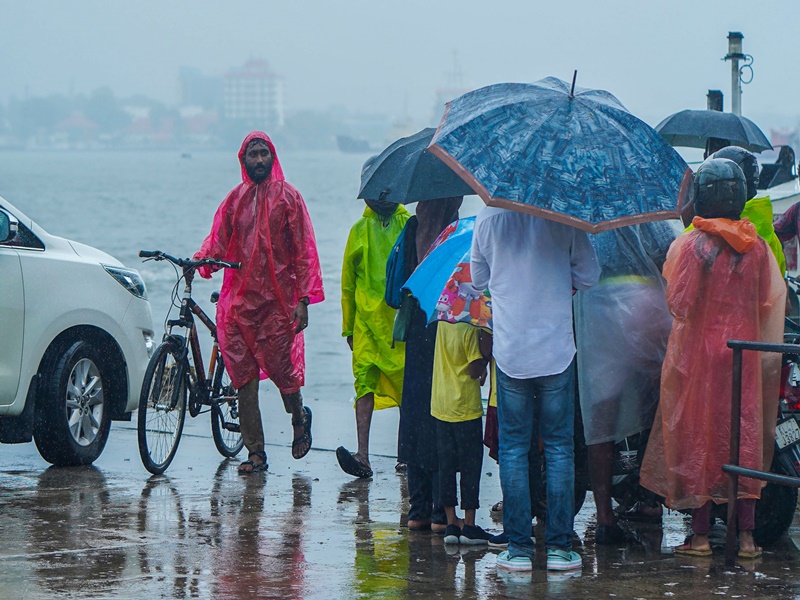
(693, 128)
(406, 172)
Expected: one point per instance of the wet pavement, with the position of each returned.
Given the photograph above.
(306, 530)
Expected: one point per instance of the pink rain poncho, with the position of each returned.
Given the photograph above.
(723, 283)
(266, 227)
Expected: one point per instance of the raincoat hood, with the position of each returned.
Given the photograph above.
(741, 235)
(277, 170)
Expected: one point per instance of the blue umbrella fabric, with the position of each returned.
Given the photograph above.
(573, 156)
(442, 283)
(693, 128)
(406, 172)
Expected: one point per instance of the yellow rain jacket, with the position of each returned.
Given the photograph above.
(377, 367)
(759, 212)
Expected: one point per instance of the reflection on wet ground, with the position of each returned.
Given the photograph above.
(305, 530)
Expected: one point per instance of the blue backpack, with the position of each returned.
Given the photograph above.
(398, 265)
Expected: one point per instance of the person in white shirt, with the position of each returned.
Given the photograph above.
(531, 265)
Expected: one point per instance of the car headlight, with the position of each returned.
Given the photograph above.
(129, 279)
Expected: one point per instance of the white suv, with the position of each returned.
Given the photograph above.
(75, 337)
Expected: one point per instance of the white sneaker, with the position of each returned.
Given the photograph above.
(514, 563)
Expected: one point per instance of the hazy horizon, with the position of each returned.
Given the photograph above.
(391, 58)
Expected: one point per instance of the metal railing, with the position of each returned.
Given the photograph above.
(733, 469)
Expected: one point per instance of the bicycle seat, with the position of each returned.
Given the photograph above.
(214, 297)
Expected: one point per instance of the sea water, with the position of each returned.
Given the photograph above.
(122, 202)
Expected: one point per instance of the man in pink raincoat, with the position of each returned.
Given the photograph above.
(263, 307)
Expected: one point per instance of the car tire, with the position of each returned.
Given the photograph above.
(73, 414)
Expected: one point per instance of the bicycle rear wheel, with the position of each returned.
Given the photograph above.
(225, 414)
(162, 409)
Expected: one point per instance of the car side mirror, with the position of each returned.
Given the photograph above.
(8, 228)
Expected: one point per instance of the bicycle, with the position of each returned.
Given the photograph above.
(175, 379)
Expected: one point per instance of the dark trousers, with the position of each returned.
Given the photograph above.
(745, 514)
(423, 495)
(460, 447)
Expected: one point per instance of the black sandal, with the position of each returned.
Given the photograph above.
(306, 437)
(350, 465)
(262, 466)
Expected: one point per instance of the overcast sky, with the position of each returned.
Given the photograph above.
(657, 57)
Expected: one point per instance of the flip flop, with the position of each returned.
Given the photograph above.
(752, 554)
(687, 550)
(350, 465)
(306, 437)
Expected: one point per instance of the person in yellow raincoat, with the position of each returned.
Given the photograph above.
(756, 210)
(367, 323)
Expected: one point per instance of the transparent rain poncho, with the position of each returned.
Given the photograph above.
(723, 283)
(266, 227)
(621, 327)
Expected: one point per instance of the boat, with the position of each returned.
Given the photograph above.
(352, 145)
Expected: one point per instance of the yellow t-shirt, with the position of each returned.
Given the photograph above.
(455, 396)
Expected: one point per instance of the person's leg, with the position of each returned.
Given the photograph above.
(293, 404)
(601, 460)
(250, 424)
(555, 395)
(515, 416)
(364, 409)
(438, 516)
(470, 450)
(746, 516)
(701, 523)
(448, 465)
(419, 498)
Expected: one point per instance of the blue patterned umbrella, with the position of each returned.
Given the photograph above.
(573, 156)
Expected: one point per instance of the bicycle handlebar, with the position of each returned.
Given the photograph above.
(186, 263)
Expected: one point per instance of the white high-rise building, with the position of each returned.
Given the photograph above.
(254, 93)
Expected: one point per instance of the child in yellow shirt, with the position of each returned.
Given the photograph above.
(459, 369)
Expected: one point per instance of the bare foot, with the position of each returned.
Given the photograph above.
(747, 545)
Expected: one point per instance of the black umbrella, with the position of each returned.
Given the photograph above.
(406, 172)
(693, 128)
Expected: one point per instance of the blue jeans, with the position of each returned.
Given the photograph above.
(526, 409)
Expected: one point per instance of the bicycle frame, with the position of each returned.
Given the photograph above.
(199, 384)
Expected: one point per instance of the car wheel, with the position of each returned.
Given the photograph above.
(73, 415)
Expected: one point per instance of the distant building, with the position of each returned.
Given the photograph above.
(200, 90)
(254, 95)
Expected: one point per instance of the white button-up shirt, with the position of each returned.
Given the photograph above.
(530, 266)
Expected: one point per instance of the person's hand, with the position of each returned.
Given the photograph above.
(300, 316)
(205, 271)
(350, 342)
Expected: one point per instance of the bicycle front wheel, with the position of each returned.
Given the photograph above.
(162, 408)
(225, 414)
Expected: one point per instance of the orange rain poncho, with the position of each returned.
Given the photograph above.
(723, 283)
(266, 227)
